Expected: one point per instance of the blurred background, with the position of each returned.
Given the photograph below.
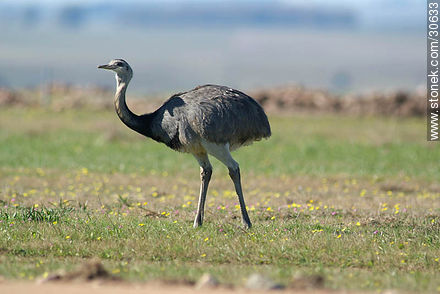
(342, 45)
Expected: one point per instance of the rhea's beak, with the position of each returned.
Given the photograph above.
(106, 66)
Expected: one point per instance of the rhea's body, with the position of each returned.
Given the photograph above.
(210, 113)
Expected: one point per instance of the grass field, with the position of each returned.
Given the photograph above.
(353, 200)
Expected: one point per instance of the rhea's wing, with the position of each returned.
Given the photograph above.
(224, 115)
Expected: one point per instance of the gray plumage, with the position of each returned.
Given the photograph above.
(214, 113)
(209, 119)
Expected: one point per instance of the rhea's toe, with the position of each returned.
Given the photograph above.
(247, 224)
(197, 222)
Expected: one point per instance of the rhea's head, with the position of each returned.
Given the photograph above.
(123, 71)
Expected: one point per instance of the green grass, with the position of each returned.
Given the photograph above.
(312, 145)
(354, 200)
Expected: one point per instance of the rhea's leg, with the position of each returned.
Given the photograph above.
(205, 177)
(222, 153)
(234, 173)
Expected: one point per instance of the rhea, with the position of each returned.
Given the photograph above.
(208, 120)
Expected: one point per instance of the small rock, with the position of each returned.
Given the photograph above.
(260, 282)
(89, 271)
(307, 282)
(207, 281)
(56, 276)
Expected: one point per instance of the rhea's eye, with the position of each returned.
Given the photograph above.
(118, 64)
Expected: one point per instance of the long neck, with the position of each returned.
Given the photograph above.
(135, 122)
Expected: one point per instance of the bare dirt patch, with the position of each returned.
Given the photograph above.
(116, 288)
(92, 276)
